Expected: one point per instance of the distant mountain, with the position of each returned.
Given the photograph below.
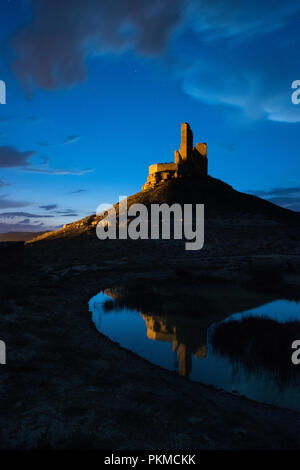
(19, 236)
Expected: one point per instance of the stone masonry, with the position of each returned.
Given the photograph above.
(189, 161)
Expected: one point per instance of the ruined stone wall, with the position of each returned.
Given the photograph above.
(189, 161)
(159, 167)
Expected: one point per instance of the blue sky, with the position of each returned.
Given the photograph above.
(96, 92)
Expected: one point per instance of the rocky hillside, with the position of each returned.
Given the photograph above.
(221, 202)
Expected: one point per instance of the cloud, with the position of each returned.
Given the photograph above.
(77, 191)
(3, 183)
(44, 160)
(67, 214)
(260, 87)
(11, 157)
(219, 19)
(25, 221)
(243, 57)
(13, 215)
(294, 190)
(25, 227)
(284, 197)
(292, 203)
(57, 171)
(70, 139)
(6, 203)
(51, 50)
(49, 207)
(238, 53)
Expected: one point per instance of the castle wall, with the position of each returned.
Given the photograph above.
(177, 157)
(202, 149)
(158, 167)
(189, 161)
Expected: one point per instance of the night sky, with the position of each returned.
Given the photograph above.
(97, 90)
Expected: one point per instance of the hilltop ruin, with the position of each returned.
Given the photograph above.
(189, 161)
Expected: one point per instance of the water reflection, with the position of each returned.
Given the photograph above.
(261, 345)
(186, 336)
(172, 332)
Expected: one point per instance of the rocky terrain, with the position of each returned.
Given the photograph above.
(67, 386)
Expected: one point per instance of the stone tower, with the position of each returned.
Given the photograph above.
(186, 145)
(189, 161)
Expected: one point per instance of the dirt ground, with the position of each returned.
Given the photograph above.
(65, 386)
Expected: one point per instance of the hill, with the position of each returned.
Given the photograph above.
(221, 201)
(246, 239)
(19, 236)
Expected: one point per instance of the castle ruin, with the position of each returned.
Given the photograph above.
(189, 161)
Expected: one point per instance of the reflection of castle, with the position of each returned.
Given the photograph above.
(158, 329)
(188, 332)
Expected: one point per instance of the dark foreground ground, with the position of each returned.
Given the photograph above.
(67, 386)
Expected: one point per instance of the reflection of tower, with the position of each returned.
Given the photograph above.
(160, 329)
(201, 351)
(184, 354)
